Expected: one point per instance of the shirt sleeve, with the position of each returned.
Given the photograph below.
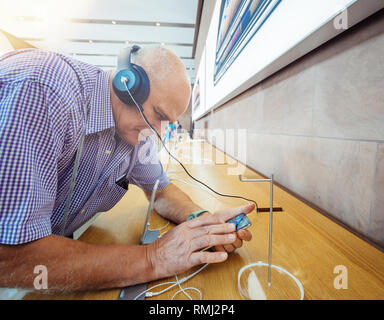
(28, 172)
(148, 168)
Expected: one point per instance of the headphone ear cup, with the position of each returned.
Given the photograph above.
(119, 87)
(136, 78)
(141, 93)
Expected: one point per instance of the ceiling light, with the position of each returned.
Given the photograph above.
(113, 22)
(158, 24)
(90, 41)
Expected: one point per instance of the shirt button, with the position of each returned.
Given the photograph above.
(107, 151)
(82, 211)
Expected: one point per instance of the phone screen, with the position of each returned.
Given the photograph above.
(241, 221)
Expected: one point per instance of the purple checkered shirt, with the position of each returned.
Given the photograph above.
(42, 95)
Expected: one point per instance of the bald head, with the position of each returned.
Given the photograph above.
(169, 96)
(161, 65)
(169, 82)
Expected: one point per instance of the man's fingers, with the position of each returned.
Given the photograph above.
(229, 248)
(219, 248)
(244, 234)
(212, 240)
(207, 219)
(197, 258)
(227, 214)
(238, 243)
(249, 208)
(222, 228)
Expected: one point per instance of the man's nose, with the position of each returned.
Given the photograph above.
(156, 126)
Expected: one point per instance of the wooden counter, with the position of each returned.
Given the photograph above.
(305, 243)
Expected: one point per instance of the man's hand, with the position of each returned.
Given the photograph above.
(181, 248)
(241, 235)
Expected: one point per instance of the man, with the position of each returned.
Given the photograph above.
(42, 95)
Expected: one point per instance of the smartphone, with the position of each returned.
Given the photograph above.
(241, 221)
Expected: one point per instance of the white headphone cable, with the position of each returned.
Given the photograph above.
(148, 293)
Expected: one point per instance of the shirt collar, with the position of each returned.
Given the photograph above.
(100, 112)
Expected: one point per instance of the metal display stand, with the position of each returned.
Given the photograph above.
(270, 180)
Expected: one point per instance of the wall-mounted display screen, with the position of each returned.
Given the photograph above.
(249, 40)
(198, 91)
(239, 21)
(196, 95)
